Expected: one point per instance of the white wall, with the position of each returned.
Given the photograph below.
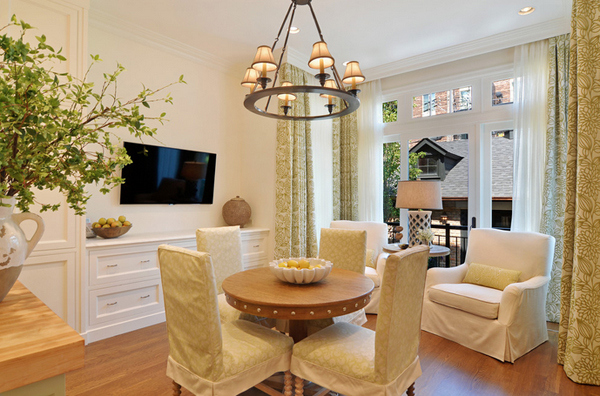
(205, 116)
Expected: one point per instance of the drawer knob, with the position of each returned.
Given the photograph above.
(114, 303)
(146, 296)
(145, 261)
(112, 265)
(256, 246)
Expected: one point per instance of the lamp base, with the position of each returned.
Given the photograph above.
(417, 219)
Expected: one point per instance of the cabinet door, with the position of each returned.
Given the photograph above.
(52, 278)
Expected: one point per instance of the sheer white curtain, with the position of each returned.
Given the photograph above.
(370, 152)
(531, 86)
(323, 168)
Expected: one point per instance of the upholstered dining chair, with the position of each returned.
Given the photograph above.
(346, 249)
(494, 303)
(205, 356)
(224, 244)
(377, 236)
(353, 360)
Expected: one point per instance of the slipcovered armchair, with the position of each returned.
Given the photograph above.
(205, 356)
(504, 324)
(353, 360)
(377, 236)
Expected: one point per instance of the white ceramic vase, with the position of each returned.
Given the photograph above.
(14, 246)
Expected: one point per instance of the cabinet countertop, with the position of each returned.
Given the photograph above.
(129, 239)
(35, 343)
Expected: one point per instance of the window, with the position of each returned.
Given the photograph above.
(502, 92)
(461, 99)
(428, 166)
(390, 111)
(442, 102)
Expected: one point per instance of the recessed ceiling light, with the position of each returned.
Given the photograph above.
(294, 30)
(526, 10)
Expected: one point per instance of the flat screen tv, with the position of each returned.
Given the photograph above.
(164, 175)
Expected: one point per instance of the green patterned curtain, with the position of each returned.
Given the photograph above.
(553, 207)
(345, 167)
(295, 231)
(579, 331)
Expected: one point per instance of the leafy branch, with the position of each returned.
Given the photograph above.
(56, 131)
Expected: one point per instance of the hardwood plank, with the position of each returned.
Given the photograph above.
(135, 364)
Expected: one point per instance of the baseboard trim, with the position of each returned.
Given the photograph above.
(114, 329)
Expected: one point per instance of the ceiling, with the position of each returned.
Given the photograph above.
(375, 32)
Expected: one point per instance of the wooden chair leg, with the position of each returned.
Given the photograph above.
(299, 386)
(411, 390)
(176, 389)
(287, 383)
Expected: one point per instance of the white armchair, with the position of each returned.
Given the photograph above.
(377, 236)
(503, 324)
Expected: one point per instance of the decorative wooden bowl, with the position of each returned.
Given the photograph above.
(304, 275)
(113, 232)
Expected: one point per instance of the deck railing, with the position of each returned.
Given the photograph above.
(454, 237)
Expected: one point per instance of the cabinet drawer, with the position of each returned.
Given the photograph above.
(253, 246)
(122, 265)
(128, 301)
(254, 261)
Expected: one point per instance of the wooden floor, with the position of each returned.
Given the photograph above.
(134, 364)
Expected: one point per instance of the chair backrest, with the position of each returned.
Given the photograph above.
(528, 252)
(224, 244)
(398, 329)
(191, 307)
(346, 249)
(377, 233)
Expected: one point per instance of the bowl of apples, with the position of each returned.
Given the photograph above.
(111, 227)
(301, 270)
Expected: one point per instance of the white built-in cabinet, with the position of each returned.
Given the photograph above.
(122, 288)
(52, 270)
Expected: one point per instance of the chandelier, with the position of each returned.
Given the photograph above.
(256, 78)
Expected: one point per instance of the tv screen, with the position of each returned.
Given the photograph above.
(163, 175)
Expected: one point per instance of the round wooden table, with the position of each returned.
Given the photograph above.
(258, 292)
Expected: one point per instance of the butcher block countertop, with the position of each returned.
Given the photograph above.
(35, 344)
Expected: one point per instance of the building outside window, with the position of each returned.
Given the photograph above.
(503, 92)
(442, 102)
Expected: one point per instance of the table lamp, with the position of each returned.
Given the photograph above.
(418, 194)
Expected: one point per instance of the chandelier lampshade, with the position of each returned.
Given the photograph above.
(263, 60)
(287, 97)
(320, 59)
(250, 79)
(353, 75)
(328, 84)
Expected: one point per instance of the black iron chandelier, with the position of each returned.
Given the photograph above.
(256, 78)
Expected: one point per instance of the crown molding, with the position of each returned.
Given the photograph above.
(124, 28)
(298, 59)
(484, 45)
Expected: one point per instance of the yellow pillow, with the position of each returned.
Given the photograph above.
(494, 277)
(371, 259)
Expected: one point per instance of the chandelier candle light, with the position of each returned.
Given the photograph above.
(257, 79)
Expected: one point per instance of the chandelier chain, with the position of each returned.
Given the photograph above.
(293, 4)
(316, 22)
(287, 36)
